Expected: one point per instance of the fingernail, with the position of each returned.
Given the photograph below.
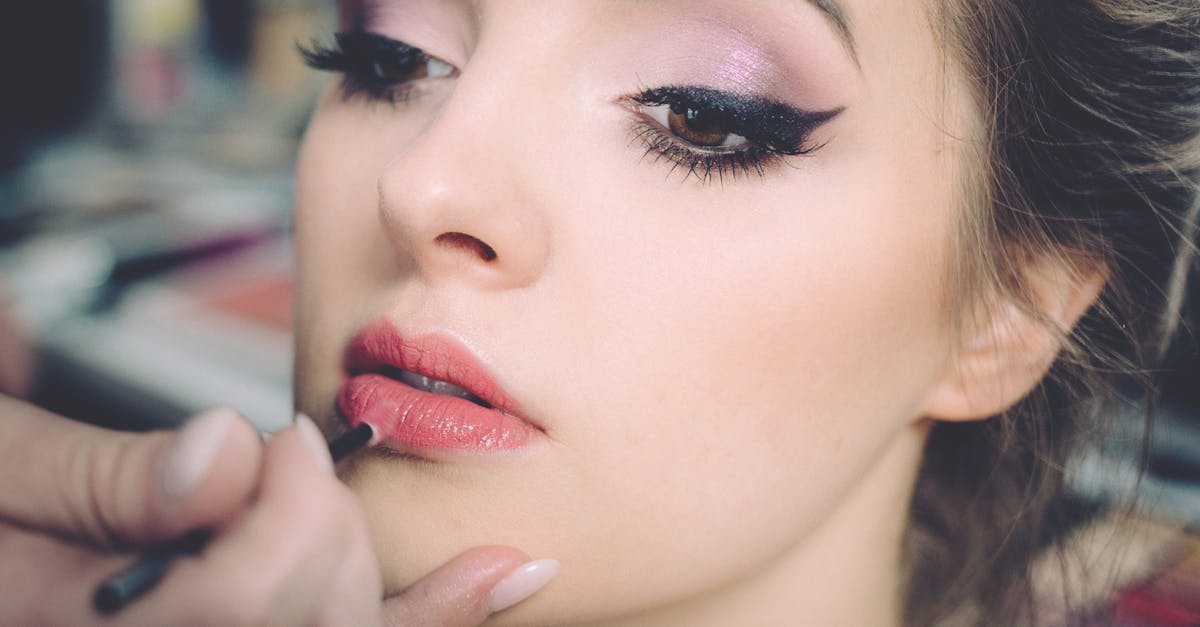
(193, 452)
(315, 441)
(520, 584)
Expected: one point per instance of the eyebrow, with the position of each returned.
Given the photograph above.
(836, 15)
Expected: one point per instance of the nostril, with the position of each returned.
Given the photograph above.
(467, 243)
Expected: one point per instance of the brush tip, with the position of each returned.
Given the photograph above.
(374, 439)
(363, 435)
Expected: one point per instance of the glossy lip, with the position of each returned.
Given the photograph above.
(417, 422)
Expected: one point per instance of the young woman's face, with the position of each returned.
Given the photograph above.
(692, 253)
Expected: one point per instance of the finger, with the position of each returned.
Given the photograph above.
(47, 581)
(111, 488)
(17, 359)
(352, 600)
(277, 564)
(460, 593)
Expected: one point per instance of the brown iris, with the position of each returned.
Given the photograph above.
(398, 69)
(708, 128)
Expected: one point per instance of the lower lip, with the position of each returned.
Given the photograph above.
(413, 420)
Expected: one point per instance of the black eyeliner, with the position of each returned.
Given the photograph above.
(773, 125)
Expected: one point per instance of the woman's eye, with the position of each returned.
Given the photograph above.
(378, 67)
(700, 126)
(715, 135)
(395, 69)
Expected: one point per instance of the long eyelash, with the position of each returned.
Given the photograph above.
(356, 55)
(774, 131)
(705, 165)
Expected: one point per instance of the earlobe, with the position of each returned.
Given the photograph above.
(1012, 344)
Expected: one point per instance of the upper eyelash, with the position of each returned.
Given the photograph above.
(355, 54)
(778, 127)
(772, 129)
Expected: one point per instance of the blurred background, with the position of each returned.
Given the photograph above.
(146, 153)
(146, 156)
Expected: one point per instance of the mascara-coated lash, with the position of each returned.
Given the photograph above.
(379, 67)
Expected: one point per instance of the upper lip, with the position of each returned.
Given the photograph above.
(437, 356)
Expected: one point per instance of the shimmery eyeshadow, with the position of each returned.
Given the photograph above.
(790, 57)
(729, 56)
(433, 25)
(742, 66)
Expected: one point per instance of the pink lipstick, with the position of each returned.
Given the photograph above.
(428, 393)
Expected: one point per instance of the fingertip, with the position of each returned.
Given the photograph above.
(315, 441)
(223, 472)
(192, 453)
(521, 583)
(459, 591)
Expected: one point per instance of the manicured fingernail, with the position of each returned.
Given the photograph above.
(193, 452)
(521, 583)
(315, 441)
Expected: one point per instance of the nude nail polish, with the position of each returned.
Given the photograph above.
(521, 583)
(315, 441)
(192, 454)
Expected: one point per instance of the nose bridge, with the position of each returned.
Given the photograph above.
(456, 201)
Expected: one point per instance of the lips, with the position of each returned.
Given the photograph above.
(428, 393)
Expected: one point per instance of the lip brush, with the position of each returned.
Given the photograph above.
(127, 586)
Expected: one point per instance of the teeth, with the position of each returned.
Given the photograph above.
(436, 386)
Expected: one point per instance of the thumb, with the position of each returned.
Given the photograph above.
(470, 587)
(113, 489)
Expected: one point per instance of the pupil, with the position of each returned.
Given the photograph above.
(704, 120)
(396, 69)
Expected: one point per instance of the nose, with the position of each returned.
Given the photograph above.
(456, 205)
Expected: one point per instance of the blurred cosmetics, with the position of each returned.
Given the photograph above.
(156, 313)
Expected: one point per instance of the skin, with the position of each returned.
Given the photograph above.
(735, 378)
(95, 500)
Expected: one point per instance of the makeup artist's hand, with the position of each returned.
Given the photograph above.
(76, 503)
(290, 547)
(466, 590)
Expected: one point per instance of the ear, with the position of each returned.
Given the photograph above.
(1011, 345)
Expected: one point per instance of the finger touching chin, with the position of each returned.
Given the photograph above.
(456, 593)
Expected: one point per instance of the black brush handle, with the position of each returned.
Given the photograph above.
(127, 586)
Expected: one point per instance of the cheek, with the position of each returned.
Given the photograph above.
(752, 365)
(793, 305)
(341, 256)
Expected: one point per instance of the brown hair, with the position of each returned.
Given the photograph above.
(1089, 155)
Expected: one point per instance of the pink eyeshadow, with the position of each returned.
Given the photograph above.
(796, 60)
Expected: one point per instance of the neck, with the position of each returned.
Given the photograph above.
(847, 572)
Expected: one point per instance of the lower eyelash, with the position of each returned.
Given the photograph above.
(705, 165)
